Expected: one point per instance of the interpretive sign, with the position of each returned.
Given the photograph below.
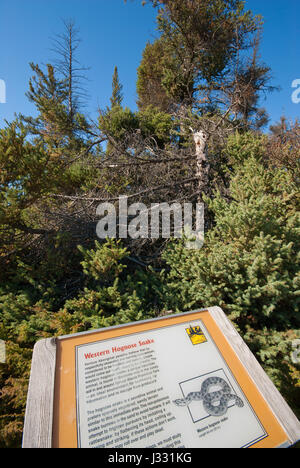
(180, 381)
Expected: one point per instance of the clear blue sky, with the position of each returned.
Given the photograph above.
(114, 33)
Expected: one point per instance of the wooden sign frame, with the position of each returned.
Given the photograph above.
(51, 390)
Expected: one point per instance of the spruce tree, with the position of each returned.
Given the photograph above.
(249, 264)
(117, 96)
(205, 60)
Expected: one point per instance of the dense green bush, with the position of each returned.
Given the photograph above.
(109, 296)
(249, 266)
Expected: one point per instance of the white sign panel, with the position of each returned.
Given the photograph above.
(167, 387)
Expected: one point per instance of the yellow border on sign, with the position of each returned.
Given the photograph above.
(64, 422)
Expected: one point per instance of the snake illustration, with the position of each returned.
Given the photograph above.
(223, 396)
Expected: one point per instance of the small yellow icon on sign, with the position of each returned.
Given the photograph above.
(196, 335)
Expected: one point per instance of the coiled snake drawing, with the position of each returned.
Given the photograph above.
(223, 396)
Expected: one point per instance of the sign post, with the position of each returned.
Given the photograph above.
(180, 381)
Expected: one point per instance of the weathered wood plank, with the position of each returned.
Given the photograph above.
(278, 405)
(37, 431)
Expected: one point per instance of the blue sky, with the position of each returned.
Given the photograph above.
(114, 33)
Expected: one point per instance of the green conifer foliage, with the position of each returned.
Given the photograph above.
(117, 96)
(249, 266)
(56, 280)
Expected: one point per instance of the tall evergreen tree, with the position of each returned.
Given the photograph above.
(48, 94)
(205, 59)
(117, 96)
(150, 86)
(57, 93)
(68, 66)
